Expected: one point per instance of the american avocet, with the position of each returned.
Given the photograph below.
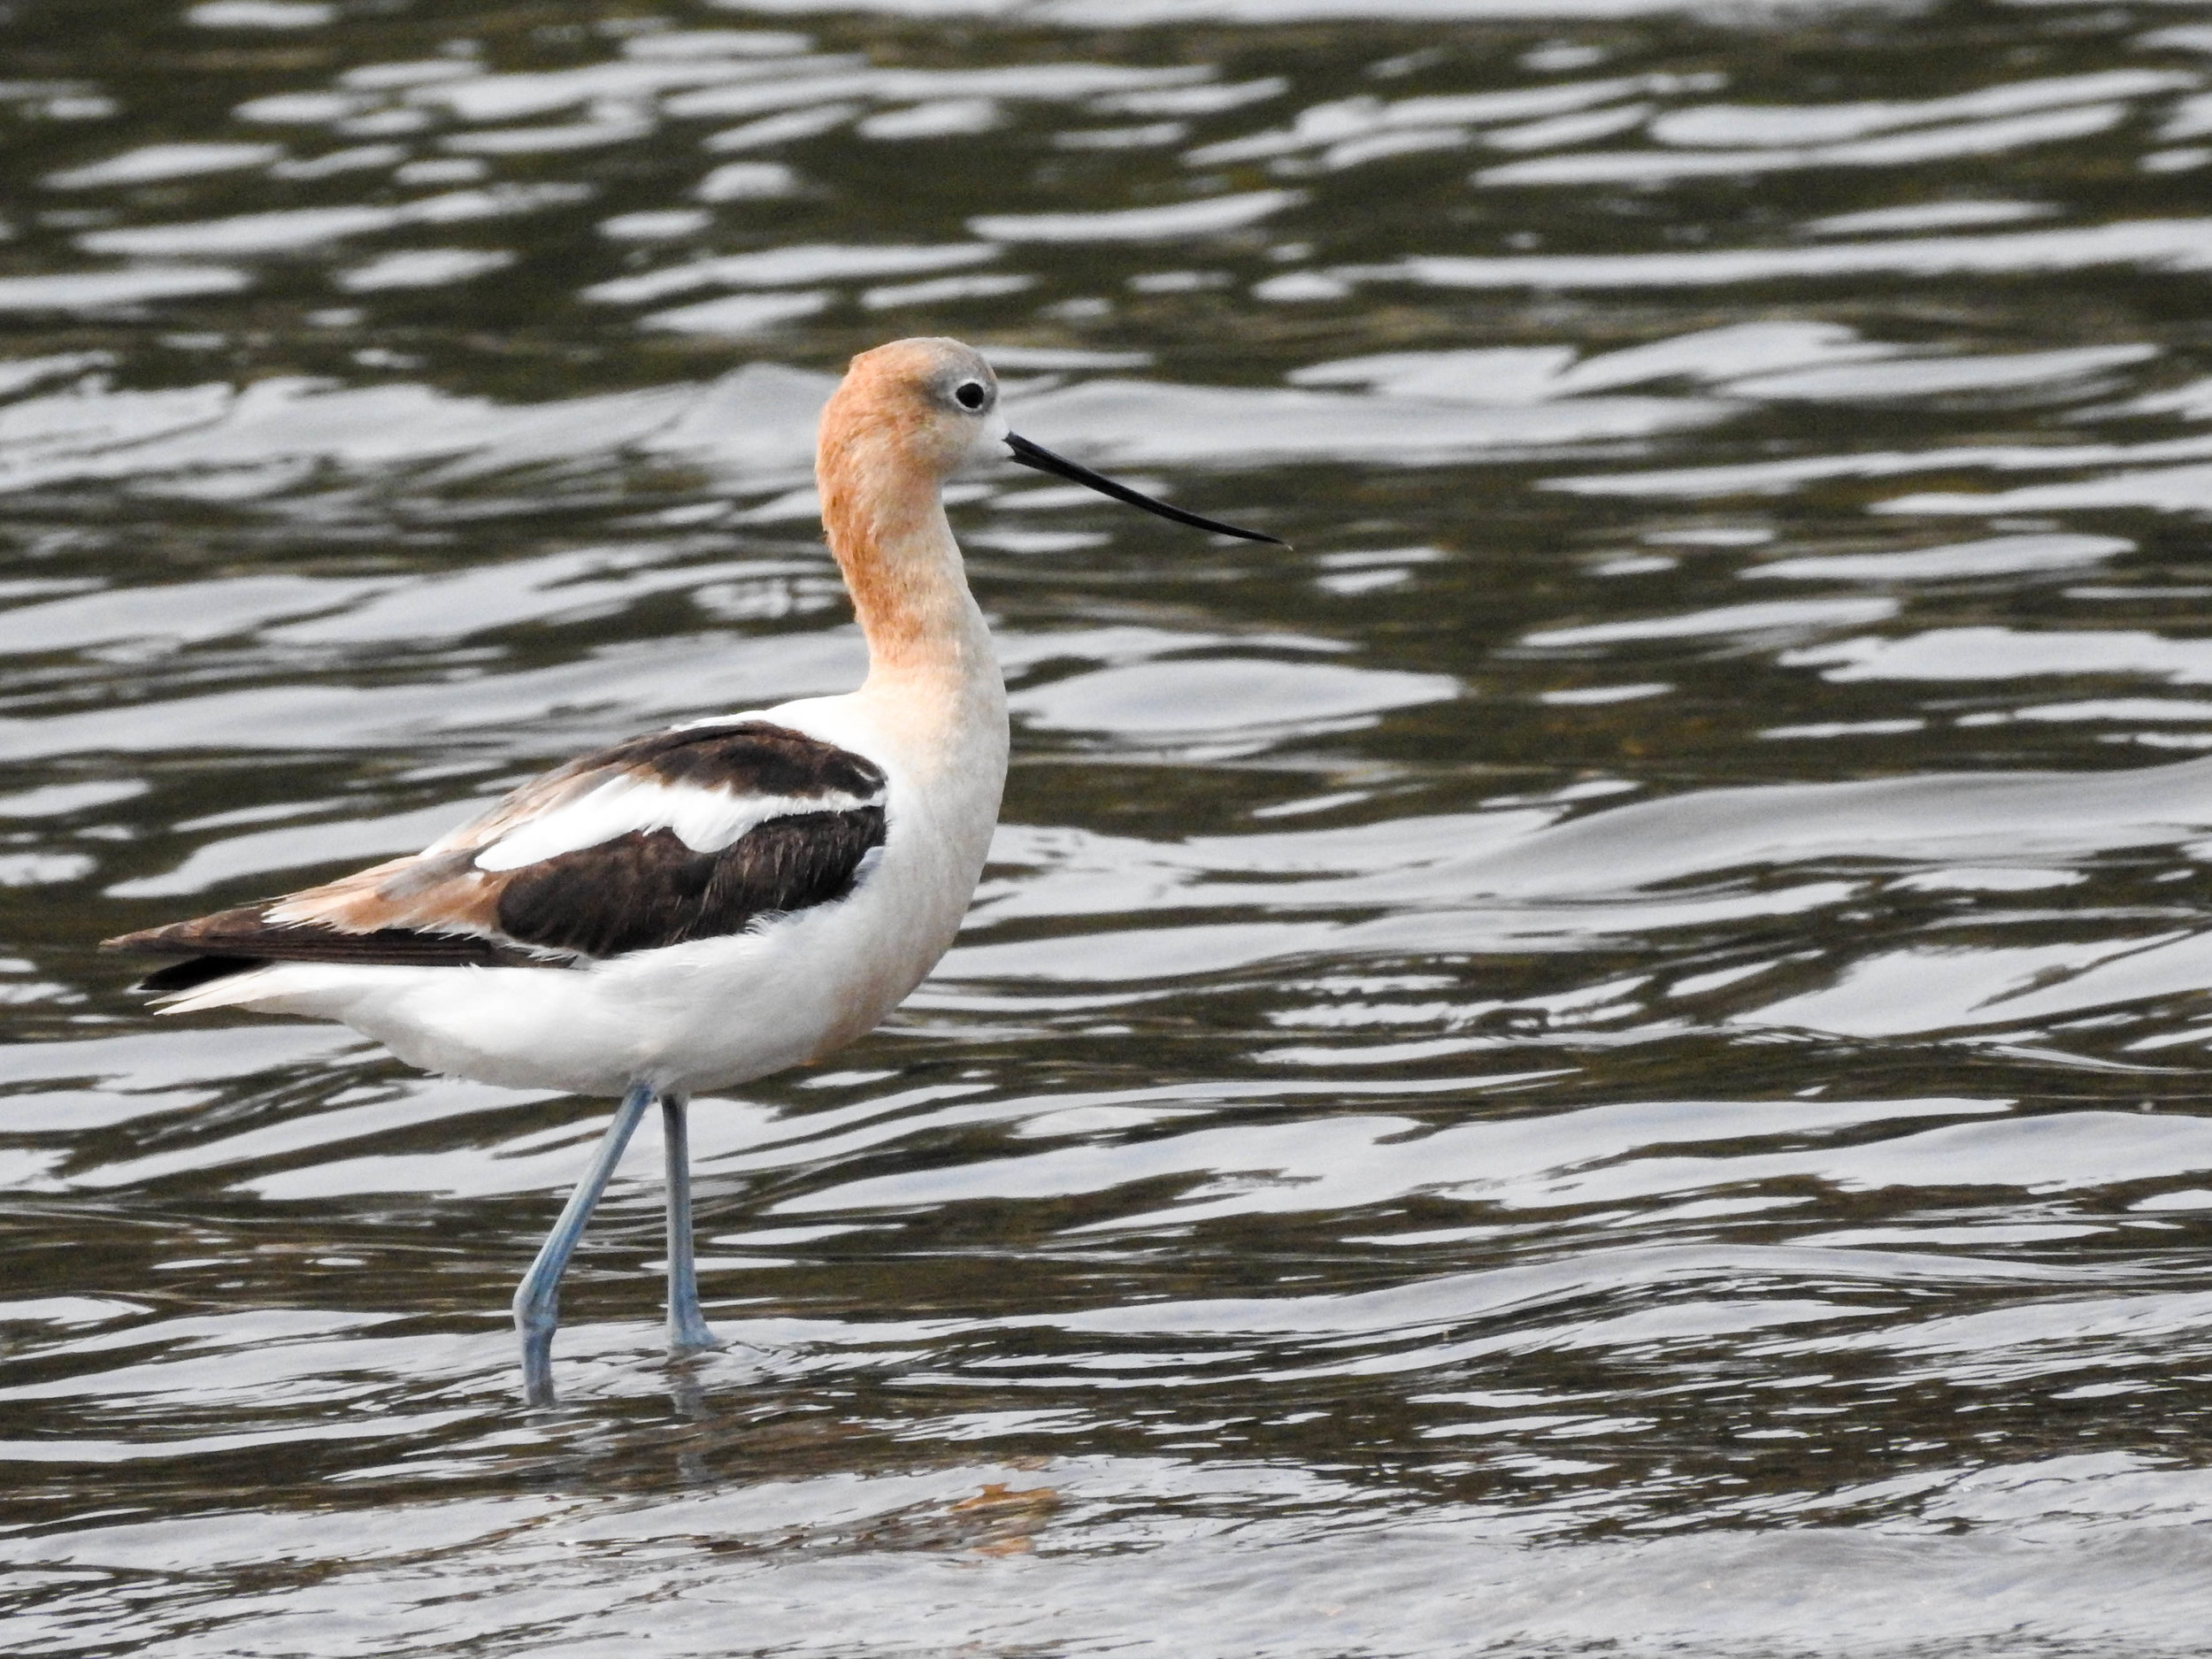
(705, 905)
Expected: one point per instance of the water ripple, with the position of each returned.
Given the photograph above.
(1599, 1056)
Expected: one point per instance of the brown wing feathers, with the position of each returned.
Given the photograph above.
(231, 941)
(637, 891)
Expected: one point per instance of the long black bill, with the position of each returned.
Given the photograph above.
(1031, 455)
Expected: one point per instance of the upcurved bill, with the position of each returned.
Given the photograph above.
(1029, 454)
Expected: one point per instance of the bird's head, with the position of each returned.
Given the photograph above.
(922, 409)
(924, 405)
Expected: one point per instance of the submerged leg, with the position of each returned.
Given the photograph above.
(538, 1299)
(688, 1331)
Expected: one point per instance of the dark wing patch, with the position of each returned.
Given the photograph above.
(247, 931)
(751, 757)
(636, 892)
(747, 757)
(642, 892)
(231, 941)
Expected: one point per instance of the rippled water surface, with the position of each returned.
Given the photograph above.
(1606, 1057)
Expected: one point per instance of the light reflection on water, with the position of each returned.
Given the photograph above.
(1601, 1057)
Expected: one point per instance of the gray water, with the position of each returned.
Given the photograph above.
(1607, 1056)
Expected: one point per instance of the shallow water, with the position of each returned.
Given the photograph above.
(1605, 1057)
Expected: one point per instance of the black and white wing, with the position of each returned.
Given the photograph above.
(681, 836)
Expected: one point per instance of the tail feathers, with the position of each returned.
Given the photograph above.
(192, 972)
(213, 982)
(223, 959)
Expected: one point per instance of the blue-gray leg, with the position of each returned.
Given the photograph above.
(538, 1299)
(688, 1331)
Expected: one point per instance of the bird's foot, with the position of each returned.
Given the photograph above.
(691, 1335)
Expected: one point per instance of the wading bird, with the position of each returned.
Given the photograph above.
(705, 905)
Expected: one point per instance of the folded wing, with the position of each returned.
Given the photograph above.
(678, 836)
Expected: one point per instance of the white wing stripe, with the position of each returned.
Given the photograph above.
(705, 820)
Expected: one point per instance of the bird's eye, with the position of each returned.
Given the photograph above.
(971, 394)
